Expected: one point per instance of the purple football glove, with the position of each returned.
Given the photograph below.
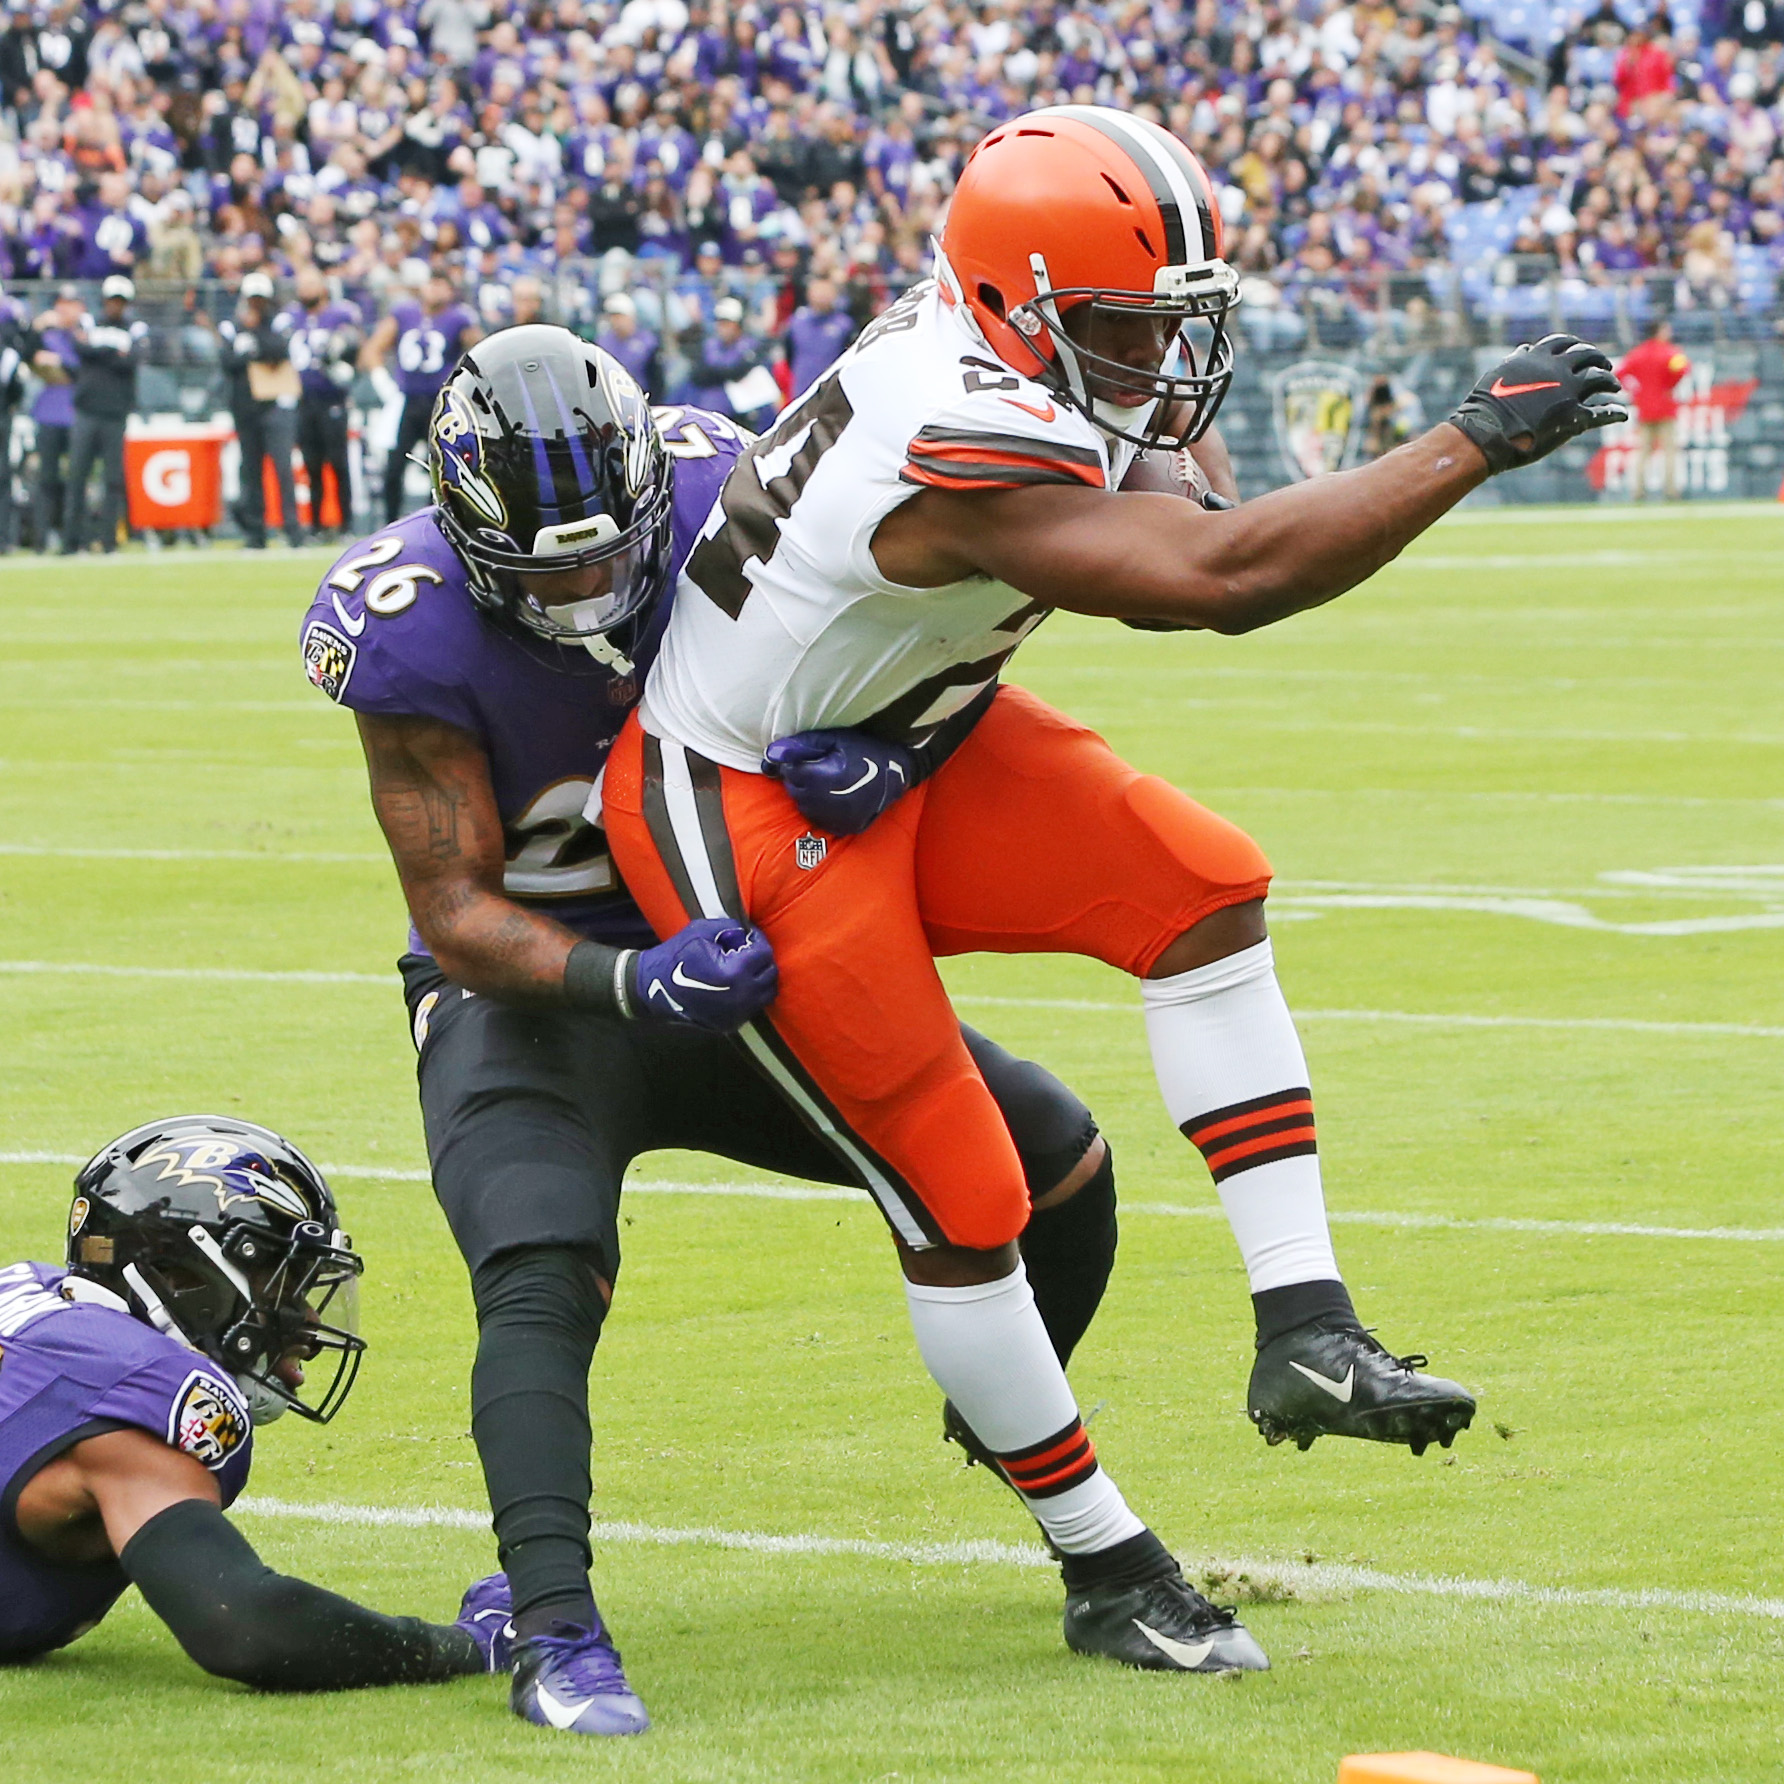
(716, 974)
(840, 780)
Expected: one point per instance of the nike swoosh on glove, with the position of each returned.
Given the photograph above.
(715, 974)
(1539, 398)
(840, 780)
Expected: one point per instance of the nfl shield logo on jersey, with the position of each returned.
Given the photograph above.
(809, 851)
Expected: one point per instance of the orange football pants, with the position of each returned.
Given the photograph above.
(1034, 837)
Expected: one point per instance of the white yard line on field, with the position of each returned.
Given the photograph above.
(807, 1192)
(1576, 1229)
(966, 1000)
(274, 857)
(1601, 513)
(181, 557)
(1315, 1577)
(1687, 801)
(231, 974)
(1574, 560)
(1420, 1018)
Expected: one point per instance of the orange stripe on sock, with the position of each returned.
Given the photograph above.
(1290, 1136)
(1047, 1457)
(1078, 1465)
(1301, 1105)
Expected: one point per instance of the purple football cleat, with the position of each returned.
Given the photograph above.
(572, 1679)
(487, 1616)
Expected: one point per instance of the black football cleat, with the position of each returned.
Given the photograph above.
(955, 1429)
(1336, 1381)
(1161, 1625)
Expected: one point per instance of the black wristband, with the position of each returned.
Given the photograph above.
(598, 979)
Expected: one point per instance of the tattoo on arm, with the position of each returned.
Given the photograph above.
(431, 792)
(442, 806)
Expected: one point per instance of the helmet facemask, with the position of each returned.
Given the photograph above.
(299, 1305)
(1179, 393)
(223, 1236)
(545, 462)
(637, 561)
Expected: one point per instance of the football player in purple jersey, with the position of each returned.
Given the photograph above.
(206, 1277)
(427, 338)
(326, 336)
(491, 647)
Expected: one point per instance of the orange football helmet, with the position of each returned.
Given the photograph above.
(1082, 208)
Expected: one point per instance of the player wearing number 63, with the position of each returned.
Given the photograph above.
(491, 648)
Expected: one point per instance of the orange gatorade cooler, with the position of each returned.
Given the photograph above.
(173, 475)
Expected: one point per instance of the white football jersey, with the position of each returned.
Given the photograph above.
(783, 621)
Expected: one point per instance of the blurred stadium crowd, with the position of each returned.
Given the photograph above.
(724, 190)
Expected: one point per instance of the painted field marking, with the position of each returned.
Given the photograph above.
(1574, 560)
(228, 974)
(45, 851)
(1420, 1018)
(1318, 1576)
(1685, 801)
(181, 557)
(1500, 514)
(389, 981)
(1558, 913)
(816, 1192)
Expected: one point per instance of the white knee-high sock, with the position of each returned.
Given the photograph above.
(1234, 1079)
(990, 1354)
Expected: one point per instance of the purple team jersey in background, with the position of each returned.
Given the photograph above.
(311, 331)
(428, 347)
(72, 1370)
(394, 631)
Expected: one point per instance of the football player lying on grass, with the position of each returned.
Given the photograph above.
(205, 1271)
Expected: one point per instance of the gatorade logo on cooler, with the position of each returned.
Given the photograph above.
(167, 477)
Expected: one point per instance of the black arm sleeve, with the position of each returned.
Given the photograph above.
(240, 1620)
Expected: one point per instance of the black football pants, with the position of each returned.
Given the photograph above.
(532, 1118)
(411, 430)
(322, 440)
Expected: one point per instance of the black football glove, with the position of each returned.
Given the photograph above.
(1539, 398)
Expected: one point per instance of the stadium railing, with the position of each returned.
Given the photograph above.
(1429, 332)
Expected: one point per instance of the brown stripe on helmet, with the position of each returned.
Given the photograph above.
(1114, 131)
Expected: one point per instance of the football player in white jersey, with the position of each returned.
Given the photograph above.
(872, 562)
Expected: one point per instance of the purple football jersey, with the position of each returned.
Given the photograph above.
(311, 332)
(394, 630)
(428, 347)
(72, 1370)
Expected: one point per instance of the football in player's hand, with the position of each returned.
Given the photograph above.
(1163, 473)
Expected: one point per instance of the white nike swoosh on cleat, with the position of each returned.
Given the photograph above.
(873, 768)
(1339, 1390)
(678, 977)
(354, 626)
(557, 1713)
(1188, 1655)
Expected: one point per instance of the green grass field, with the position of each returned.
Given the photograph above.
(1523, 797)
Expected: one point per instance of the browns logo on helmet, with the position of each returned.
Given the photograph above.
(1086, 243)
